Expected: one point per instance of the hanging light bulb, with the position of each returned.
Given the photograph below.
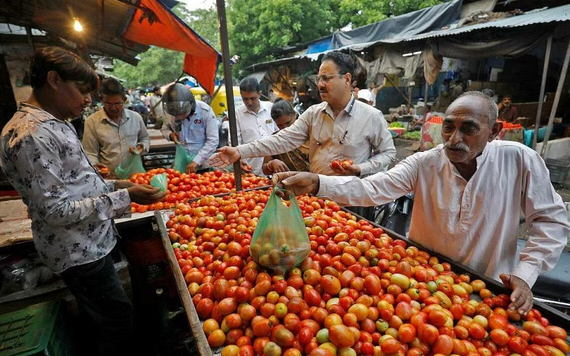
(77, 26)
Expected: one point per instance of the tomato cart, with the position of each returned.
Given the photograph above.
(453, 301)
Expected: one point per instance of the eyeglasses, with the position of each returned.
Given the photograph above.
(111, 105)
(328, 77)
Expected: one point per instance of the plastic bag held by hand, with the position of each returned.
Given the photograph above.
(160, 181)
(280, 240)
(181, 159)
(131, 164)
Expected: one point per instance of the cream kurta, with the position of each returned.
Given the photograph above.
(473, 222)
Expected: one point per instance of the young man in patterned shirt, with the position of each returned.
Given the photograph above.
(72, 208)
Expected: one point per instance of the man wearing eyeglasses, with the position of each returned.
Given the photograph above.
(339, 128)
(114, 132)
(253, 120)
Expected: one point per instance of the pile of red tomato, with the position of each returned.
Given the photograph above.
(183, 186)
(359, 292)
(510, 126)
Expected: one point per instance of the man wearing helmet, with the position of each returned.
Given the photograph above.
(190, 122)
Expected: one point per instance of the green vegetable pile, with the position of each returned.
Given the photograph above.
(414, 135)
(396, 124)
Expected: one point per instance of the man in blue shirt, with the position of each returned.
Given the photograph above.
(190, 122)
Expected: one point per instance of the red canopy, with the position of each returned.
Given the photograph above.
(155, 25)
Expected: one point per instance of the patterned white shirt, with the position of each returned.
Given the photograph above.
(70, 205)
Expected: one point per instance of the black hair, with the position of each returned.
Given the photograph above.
(282, 107)
(249, 85)
(68, 66)
(112, 86)
(507, 96)
(345, 62)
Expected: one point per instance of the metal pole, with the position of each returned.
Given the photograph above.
(542, 89)
(222, 21)
(556, 100)
(398, 89)
(30, 38)
(426, 100)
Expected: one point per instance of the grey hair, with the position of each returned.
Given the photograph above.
(492, 108)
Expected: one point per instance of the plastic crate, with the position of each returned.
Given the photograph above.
(37, 330)
(558, 170)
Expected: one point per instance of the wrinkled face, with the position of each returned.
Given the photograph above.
(333, 85)
(506, 101)
(466, 129)
(251, 100)
(113, 105)
(284, 121)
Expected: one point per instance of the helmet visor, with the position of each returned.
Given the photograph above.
(178, 108)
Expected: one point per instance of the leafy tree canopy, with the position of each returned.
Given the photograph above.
(157, 66)
(257, 27)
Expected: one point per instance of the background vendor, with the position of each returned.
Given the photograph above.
(192, 123)
(114, 132)
(297, 159)
(507, 111)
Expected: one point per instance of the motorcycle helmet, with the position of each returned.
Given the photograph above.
(178, 101)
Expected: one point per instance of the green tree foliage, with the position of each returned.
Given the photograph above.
(157, 66)
(400, 7)
(205, 23)
(363, 12)
(257, 27)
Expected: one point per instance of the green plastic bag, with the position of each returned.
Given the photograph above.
(182, 158)
(280, 240)
(131, 164)
(160, 181)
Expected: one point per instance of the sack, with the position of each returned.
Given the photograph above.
(131, 164)
(280, 240)
(160, 181)
(181, 159)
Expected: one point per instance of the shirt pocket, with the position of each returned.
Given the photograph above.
(349, 147)
(197, 133)
(131, 138)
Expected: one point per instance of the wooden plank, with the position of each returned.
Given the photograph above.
(193, 319)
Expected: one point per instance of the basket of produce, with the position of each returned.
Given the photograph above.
(360, 291)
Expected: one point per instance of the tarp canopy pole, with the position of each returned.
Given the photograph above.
(220, 4)
(556, 100)
(217, 90)
(283, 78)
(398, 89)
(542, 89)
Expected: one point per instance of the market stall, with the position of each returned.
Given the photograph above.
(359, 289)
(431, 133)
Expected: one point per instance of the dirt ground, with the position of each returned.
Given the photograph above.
(404, 148)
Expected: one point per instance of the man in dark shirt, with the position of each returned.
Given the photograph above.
(507, 111)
